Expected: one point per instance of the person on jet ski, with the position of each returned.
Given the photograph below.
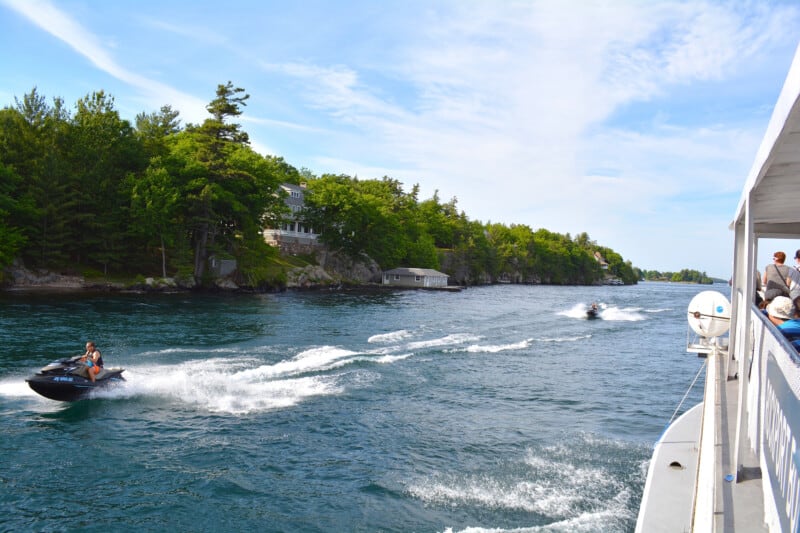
(93, 359)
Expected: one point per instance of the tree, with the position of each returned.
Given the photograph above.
(154, 128)
(154, 202)
(33, 143)
(212, 205)
(103, 152)
(11, 237)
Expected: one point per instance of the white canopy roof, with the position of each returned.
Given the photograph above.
(773, 185)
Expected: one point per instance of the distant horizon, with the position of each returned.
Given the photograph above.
(635, 122)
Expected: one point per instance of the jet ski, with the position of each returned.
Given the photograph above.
(593, 312)
(60, 380)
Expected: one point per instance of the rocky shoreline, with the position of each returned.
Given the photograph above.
(334, 271)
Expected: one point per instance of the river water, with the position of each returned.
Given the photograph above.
(493, 409)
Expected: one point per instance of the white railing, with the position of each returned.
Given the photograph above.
(773, 419)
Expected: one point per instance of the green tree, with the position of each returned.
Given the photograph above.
(11, 236)
(153, 129)
(155, 199)
(33, 142)
(213, 207)
(103, 152)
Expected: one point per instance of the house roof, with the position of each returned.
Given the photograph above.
(415, 272)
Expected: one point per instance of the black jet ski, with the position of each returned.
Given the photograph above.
(593, 312)
(60, 380)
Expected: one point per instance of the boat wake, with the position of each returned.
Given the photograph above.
(559, 493)
(241, 380)
(610, 312)
(394, 336)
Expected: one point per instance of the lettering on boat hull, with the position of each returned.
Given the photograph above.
(780, 445)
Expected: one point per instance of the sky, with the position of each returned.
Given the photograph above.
(636, 122)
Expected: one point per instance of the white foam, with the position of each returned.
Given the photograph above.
(206, 387)
(242, 384)
(166, 351)
(576, 311)
(613, 313)
(394, 336)
(476, 348)
(448, 340)
(628, 314)
(387, 359)
(553, 488)
(575, 338)
(15, 388)
(312, 360)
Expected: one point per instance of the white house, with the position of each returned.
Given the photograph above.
(293, 231)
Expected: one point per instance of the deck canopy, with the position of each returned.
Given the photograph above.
(771, 190)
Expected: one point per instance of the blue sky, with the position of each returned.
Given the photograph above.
(634, 121)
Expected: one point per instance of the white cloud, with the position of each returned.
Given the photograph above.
(507, 105)
(56, 22)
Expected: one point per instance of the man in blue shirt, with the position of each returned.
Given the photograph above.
(791, 327)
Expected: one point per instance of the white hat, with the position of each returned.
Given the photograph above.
(780, 307)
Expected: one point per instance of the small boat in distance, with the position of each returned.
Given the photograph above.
(593, 311)
(58, 381)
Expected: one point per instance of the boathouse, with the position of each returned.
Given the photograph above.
(425, 278)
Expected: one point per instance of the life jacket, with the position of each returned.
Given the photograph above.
(99, 359)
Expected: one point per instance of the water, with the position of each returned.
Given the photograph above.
(494, 409)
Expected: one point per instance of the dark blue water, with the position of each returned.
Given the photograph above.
(497, 408)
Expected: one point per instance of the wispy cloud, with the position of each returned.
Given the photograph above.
(59, 24)
(506, 107)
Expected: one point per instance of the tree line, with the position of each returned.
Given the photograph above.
(86, 189)
(685, 276)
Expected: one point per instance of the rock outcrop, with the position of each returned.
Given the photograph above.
(334, 269)
(20, 277)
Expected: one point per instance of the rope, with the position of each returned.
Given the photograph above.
(687, 392)
(700, 371)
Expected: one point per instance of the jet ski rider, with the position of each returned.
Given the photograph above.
(93, 359)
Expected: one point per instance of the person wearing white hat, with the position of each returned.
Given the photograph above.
(791, 328)
(780, 309)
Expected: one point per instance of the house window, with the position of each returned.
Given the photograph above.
(397, 277)
(417, 278)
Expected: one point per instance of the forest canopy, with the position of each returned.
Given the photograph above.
(84, 189)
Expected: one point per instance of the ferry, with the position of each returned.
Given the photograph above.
(731, 463)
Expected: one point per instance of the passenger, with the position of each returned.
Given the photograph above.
(791, 328)
(779, 310)
(779, 279)
(797, 260)
(94, 361)
(757, 291)
(758, 299)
